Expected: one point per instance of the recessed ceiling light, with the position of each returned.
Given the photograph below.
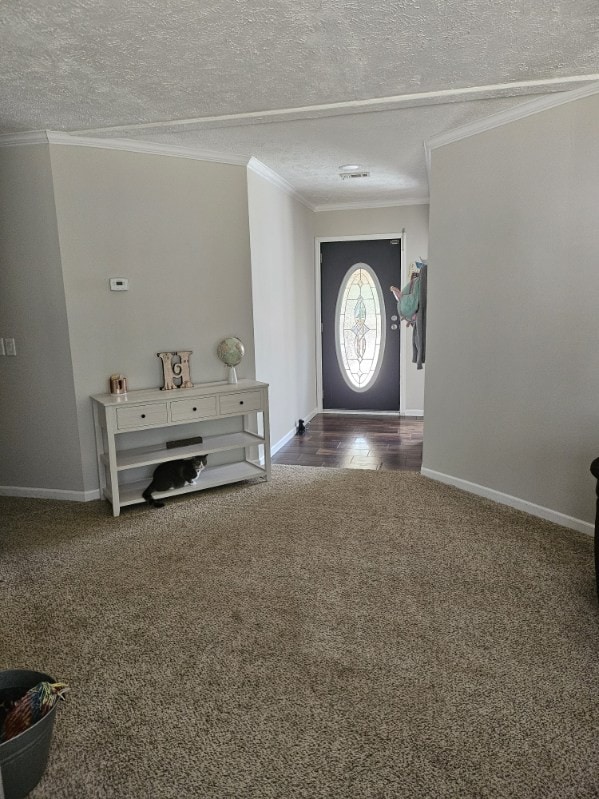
(349, 175)
(350, 168)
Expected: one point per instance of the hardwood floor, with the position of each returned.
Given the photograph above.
(357, 442)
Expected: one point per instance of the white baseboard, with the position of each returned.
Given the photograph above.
(49, 493)
(281, 442)
(289, 435)
(413, 412)
(515, 502)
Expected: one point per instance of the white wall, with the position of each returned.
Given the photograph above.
(178, 230)
(282, 244)
(513, 358)
(39, 443)
(414, 218)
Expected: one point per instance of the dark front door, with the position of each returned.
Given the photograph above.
(360, 328)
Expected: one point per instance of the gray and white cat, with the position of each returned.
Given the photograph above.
(173, 474)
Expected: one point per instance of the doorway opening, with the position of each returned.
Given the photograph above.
(361, 363)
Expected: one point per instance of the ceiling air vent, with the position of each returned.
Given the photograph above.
(346, 175)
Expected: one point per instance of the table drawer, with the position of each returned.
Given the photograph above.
(242, 402)
(195, 408)
(141, 416)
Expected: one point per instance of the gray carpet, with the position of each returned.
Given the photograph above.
(336, 633)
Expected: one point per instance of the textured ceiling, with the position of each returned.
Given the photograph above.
(84, 65)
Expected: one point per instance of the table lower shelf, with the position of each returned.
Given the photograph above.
(210, 477)
(158, 453)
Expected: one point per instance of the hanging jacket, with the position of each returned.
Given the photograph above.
(409, 299)
(419, 332)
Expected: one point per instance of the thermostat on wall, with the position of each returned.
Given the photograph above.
(119, 284)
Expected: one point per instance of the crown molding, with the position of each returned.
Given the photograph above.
(365, 205)
(148, 148)
(427, 161)
(273, 177)
(127, 145)
(390, 103)
(505, 117)
(21, 139)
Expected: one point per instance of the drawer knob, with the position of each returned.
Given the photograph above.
(143, 416)
(194, 409)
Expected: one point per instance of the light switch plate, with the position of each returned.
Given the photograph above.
(2, 351)
(10, 346)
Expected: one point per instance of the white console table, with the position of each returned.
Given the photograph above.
(172, 413)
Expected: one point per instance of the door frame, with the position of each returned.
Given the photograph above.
(318, 302)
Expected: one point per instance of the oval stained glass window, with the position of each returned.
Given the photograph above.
(360, 327)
